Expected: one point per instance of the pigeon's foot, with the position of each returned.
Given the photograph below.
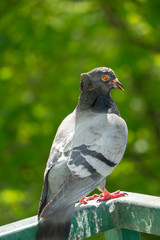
(86, 199)
(106, 195)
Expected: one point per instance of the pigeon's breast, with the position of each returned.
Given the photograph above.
(102, 133)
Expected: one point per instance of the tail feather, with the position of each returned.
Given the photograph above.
(50, 231)
(56, 226)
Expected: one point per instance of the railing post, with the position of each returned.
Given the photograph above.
(122, 234)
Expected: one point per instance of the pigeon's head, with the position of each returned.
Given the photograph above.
(102, 79)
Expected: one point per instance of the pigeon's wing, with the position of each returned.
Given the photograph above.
(63, 187)
(56, 165)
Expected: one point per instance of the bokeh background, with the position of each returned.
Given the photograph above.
(44, 47)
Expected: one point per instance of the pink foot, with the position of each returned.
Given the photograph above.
(86, 199)
(106, 195)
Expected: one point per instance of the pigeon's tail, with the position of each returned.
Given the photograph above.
(56, 226)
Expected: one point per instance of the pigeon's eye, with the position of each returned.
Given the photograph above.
(105, 78)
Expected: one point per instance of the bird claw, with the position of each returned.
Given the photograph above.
(106, 195)
(103, 196)
(86, 199)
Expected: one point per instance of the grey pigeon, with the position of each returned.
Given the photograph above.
(89, 144)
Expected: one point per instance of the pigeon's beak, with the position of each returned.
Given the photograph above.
(117, 84)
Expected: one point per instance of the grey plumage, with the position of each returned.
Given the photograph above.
(88, 145)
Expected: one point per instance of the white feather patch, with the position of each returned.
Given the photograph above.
(79, 171)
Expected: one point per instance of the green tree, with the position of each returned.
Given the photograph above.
(44, 47)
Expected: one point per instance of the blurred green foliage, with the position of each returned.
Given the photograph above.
(44, 46)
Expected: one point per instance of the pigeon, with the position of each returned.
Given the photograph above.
(88, 145)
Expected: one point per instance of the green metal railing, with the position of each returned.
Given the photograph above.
(121, 219)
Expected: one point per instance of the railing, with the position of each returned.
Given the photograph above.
(121, 219)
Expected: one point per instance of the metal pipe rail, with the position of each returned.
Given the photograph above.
(121, 219)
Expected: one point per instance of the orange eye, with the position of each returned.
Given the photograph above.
(105, 78)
